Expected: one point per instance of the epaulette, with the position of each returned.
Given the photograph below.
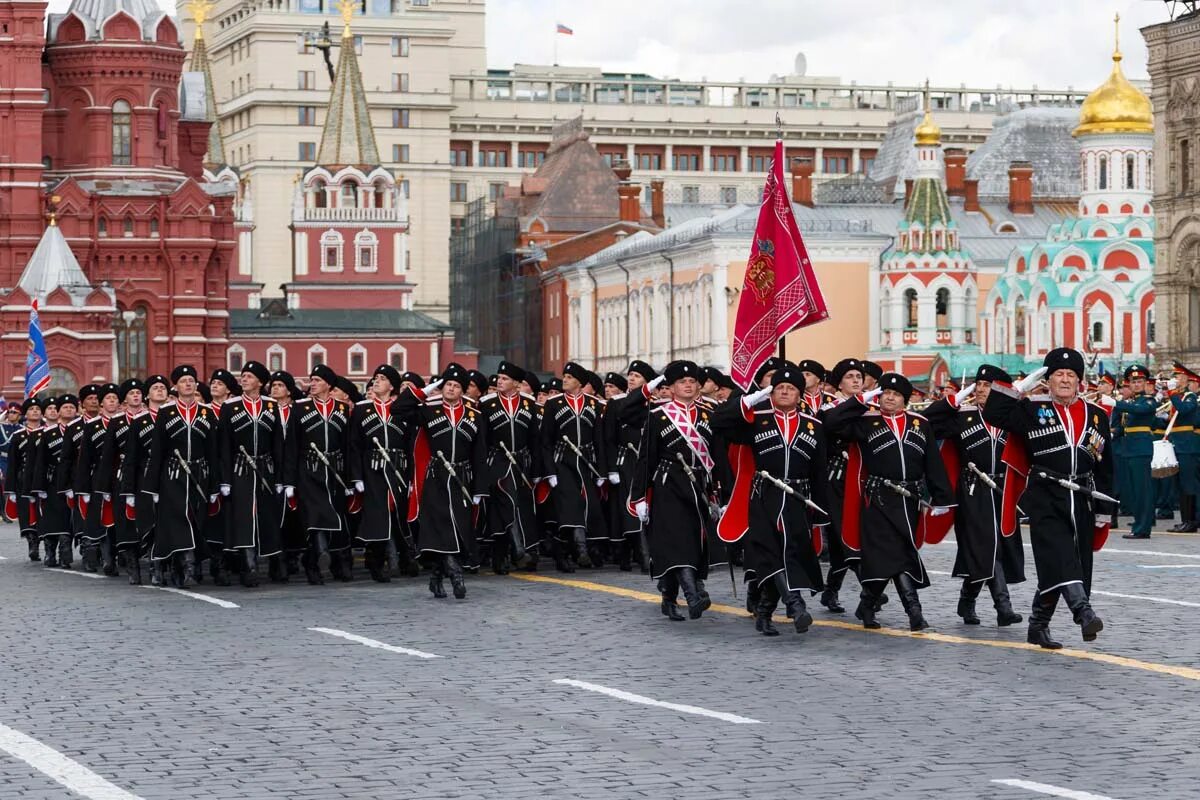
(228, 400)
(919, 416)
(807, 416)
(1041, 398)
(486, 397)
(620, 396)
(967, 408)
(365, 403)
(872, 412)
(302, 400)
(528, 396)
(143, 412)
(437, 401)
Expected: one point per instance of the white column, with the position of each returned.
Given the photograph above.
(875, 321)
(957, 316)
(926, 320)
(301, 253)
(399, 251)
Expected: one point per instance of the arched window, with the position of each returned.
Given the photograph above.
(122, 136)
(62, 380)
(102, 227)
(911, 316)
(320, 196)
(349, 195)
(154, 227)
(276, 358)
(1103, 169)
(1101, 325)
(1019, 327)
(127, 226)
(398, 357)
(331, 251)
(1149, 173)
(129, 328)
(380, 194)
(316, 355)
(235, 358)
(1130, 171)
(943, 307)
(366, 251)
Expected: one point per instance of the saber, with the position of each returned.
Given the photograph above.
(195, 484)
(450, 468)
(900, 490)
(1075, 487)
(582, 458)
(766, 476)
(691, 476)
(325, 460)
(254, 466)
(512, 459)
(387, 458)
(983, 476)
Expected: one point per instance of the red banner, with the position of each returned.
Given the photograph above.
(780, 290)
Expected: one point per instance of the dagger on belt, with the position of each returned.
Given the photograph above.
(512, 459)
(784, 487)
(325, 460)
(983, 476)
(450, 468)
(195, 484)
(388, 460)
(1075, 487)
(582, 458)
(254, 466)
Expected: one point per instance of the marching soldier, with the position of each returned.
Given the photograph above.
(789, 472)
(847, 375)
(986, 555)
(380, 442)
(511, 423)
(1139, 411)
(572, 441)
(113, 482)
(282, 389)
(815, 398)
(900, 461)
(137, 459)
(251, 450)
(98, 540)
(315, 456)
(22, 448)
(1184, 400)
(51, 483)
(1066, 439)
(623, 423)
(89, 404)
(677, 472)
(181, 477)
(448, 477)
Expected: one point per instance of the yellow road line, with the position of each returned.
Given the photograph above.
(1086, 655)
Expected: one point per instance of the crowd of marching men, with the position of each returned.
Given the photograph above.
(678, 472)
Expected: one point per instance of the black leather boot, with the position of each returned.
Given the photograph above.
(217, 569)
(157, 573)
(670, 608)
(318, 546)
(457, 583)
(753, 595)
(582, 557)
(762, 615)
(829, 597)
(793, 600)
(277, 569)
(867, 603)
(966, 601)
(51, 558)
(90, 557)
(1039, 621)
(561, 562)
(998, 586)
(697, 604)
(293, 563)
(436, 574)
(249, 574)
(1081, 610)
(31, 543)
(186, 565)
(625, 555)
(337, 564)
(500, 565)
(906, 587)
(133, 567)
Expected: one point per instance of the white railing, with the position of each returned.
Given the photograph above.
(354, 215)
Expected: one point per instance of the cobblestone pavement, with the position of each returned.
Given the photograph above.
(165, 696)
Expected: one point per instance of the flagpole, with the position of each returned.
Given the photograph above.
(779, 138)
(556, 44)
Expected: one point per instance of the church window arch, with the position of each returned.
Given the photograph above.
(1102, 170)
(320, 194)
(366, 251)
(276, 358)
(127, 226)
(1130, 171)
(911, 313)
(129, 328)
(398, 357)
(331, 251)
(349, 198)
(122, 134)
(317, 355)
(942, 307)
(356, 360)
(235, 358)
(1189, 269)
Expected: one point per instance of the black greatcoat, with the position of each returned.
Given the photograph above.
(887, 520)
(251, 450)
(510, 500)
(837, 453)
(50, 478)
(977, 517)
(374, 427)
(780, 534)
(183, 498)
(577, 502)
(291, 526)
(89, 465)
(445, 517)
(72, 442)
(21, 453)
(681, 524)
(623, 422)
(322, 498)
(109, 480)
(137, 458)
(1061, 521)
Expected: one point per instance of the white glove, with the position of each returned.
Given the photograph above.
(1031, 380)
(599, 482)
(614, 478)
(754, 398)
(41, 495)
(11, 496)
(70, 494)
(553, 481)
(279, 488)
(153, 498)
(476, 500)
(107, 497)
(657, 382)
(1172, 384)
(433, 385)
(212, 498)
(938, 511)
(129, 501)
(289, 492)
(643, 510)
(349, 492)
(963, 394)
(871, 395)
(359, 487)
(225, 490)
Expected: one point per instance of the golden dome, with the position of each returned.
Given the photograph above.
(928, 132)
(1116, 106)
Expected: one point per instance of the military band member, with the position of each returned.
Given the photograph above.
(1184, 400)
(51, 482)
(572, 442)
(673, 490)
(448, 477)
(316, 471)
(789, 444)
(1139, 419)
(900, 462)
(511, 420)
(250, 444)
(22, 449)
(1066, 439)
(985, 554)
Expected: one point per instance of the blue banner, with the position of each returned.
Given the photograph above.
(37, 363)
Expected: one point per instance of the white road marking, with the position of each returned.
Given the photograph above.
(391, 648)
(1166, 600)
(56, 766)
(1054, 791)
(59, 571)
(3, 558)
(216, 601)
(1168, 566)
(1138, 552)
(649, 701)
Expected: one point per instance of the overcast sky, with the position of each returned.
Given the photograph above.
(983, 43)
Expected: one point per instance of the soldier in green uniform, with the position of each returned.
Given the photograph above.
(1138, 412)
(1184, 401)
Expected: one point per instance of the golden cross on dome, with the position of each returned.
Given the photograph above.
(346, 7)
(199, 9)
(1117, 33)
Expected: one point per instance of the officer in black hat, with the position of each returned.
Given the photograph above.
(283, 390)
(22, 447)
(623, 422)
